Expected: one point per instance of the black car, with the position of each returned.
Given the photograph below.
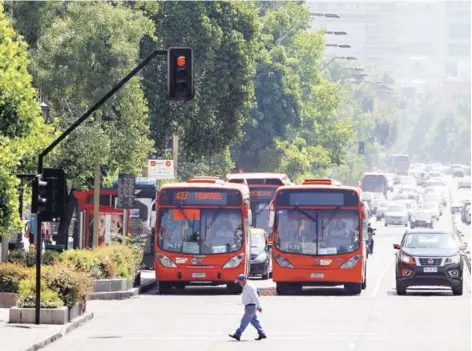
(261, 262)
(428, 257)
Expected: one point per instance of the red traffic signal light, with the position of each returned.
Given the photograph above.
(180, 73)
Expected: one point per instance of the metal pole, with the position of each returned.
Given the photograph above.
(327, 64)
(96, 193)
(39, 247)
(19, 237)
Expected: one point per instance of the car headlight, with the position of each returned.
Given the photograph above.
(165, 261)
(453, 259)
(234, 262)
(408, 259)
(260, 258)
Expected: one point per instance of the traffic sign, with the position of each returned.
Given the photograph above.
(126, 190)
(161, 169)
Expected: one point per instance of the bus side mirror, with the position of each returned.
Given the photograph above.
(271, 216)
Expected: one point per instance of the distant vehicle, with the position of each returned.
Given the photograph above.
(261, 262)
(463, 183)
(433, 208)
(381, 208)
(428, 257)
(421, 218)
(465, 215)
(458, 173)
(456, 207)
(396, 214)
(436, 200)
(375, 183)
(399, 164)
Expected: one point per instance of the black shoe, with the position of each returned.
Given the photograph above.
(235, 337)
(260, 337)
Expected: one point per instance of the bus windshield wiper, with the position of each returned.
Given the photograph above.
(189, 222)
(330, 220)
(305, 213)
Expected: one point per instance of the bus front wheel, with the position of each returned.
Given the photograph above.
(353, 288)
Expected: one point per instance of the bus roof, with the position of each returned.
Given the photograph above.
(205, 183)
(283, 177)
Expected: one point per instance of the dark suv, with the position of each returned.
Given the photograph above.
(428, 257)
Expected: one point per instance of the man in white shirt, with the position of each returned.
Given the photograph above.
(252, 304)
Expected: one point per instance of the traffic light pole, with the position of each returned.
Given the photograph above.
(46, 151)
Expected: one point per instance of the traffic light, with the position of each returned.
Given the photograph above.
(180, 73)
(361, 147)
(49, 194)
(40, 195)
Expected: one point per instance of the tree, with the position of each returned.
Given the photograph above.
(223, 37)
(22, 130)
(85, 51)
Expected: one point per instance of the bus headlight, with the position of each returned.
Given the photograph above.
(350, 263)
(282, 262)
(166, 261)
(234, 262)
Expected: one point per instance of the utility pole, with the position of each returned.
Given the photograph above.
(96, 191)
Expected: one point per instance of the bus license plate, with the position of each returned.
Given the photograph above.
(198, 275)
(430, 269)
(317, 275)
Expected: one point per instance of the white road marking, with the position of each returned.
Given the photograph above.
(379, 280)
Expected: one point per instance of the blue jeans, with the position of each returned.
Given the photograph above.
(250, 316)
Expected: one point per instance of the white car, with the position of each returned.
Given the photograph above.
(396, 214)
(381, 209)
(421, 218)
(463, 183)
(432, 208)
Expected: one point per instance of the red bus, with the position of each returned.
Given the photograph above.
(262, 187)
(202, 234)
(318, 231)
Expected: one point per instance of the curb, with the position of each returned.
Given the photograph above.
(64, 330)
(123, 295)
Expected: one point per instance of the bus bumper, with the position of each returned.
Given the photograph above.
(318, 277)
(198, 276)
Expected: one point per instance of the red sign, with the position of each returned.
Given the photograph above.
(168, 163)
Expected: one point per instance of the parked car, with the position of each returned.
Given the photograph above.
(261, 262)
(421, 218)
(463, 183)
(428, 257)
(396, 214)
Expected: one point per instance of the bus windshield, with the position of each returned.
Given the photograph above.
(261, 214)
(200, 231)
(376, 184)
(317, 232)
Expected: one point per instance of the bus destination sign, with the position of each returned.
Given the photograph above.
(317, 197)
(261, 194)
(200, 197)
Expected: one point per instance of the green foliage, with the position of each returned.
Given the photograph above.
(85, 51)
(223, 36)
(10, 276)
(27, 292)
(22, 130)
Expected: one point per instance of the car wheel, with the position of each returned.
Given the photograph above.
(412, 226)
(364, 283)
(458, 291)
(401, 288)
(386, 224)
(378, 218)
(406, 224)
(431, 225)
(266, 275)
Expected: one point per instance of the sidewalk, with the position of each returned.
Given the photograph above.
(30, 337)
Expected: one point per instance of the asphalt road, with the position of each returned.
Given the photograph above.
(320, 319)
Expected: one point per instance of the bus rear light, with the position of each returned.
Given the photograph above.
(234, 262)
(350, 263)
(282, 262)
(166, 261)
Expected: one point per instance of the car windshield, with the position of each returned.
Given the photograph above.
(200, 231)
(429, 241)
(261, 214)
(257, 240)
(317, 232)
(396, 208)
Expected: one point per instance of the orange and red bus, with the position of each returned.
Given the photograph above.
(262, 187)
(319, 234)
(202, 234)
